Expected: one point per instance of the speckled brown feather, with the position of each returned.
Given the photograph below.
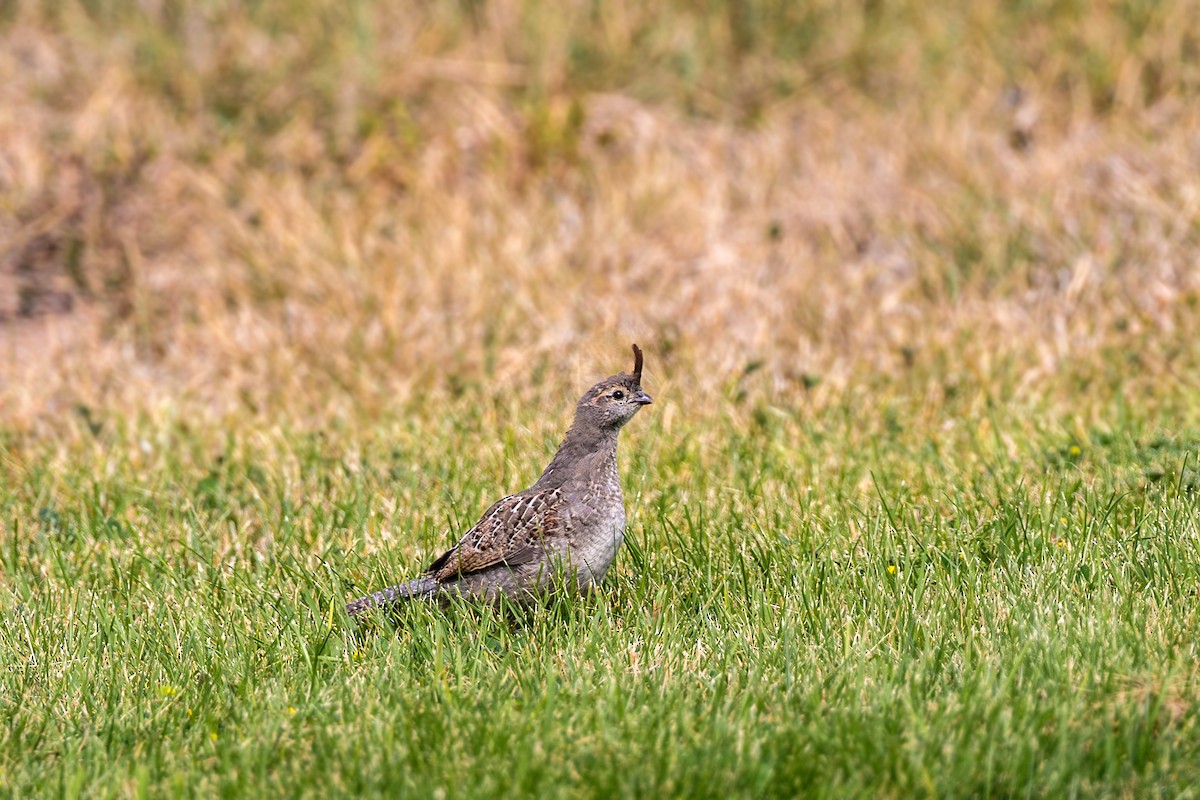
(511, 532)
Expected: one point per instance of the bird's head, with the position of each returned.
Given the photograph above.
(613, 401)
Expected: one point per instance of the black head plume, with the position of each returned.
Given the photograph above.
(637, 364)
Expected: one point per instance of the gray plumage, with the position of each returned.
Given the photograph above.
(566, 528)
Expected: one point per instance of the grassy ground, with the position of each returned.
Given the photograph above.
(824, 605)
(290, 291)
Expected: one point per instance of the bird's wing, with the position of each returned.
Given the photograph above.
(512, 532)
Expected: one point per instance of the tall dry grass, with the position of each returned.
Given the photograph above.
(240, 210)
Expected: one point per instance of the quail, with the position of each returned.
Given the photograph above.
(564, 530)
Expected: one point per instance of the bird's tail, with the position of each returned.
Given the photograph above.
(418, 589)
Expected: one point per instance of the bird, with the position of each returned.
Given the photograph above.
(564, 531)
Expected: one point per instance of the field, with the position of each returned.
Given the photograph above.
(291, 291)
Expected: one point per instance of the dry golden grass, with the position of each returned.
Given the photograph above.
(219, 213)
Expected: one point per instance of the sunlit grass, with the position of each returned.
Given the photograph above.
(801, 614)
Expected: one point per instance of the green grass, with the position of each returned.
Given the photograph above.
(831, 604)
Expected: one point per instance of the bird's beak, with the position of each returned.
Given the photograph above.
(642, 399)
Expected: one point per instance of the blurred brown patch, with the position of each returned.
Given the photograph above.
(288, 223)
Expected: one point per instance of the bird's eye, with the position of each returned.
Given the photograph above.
(618, 394)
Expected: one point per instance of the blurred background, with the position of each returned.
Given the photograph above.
(303, 208)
